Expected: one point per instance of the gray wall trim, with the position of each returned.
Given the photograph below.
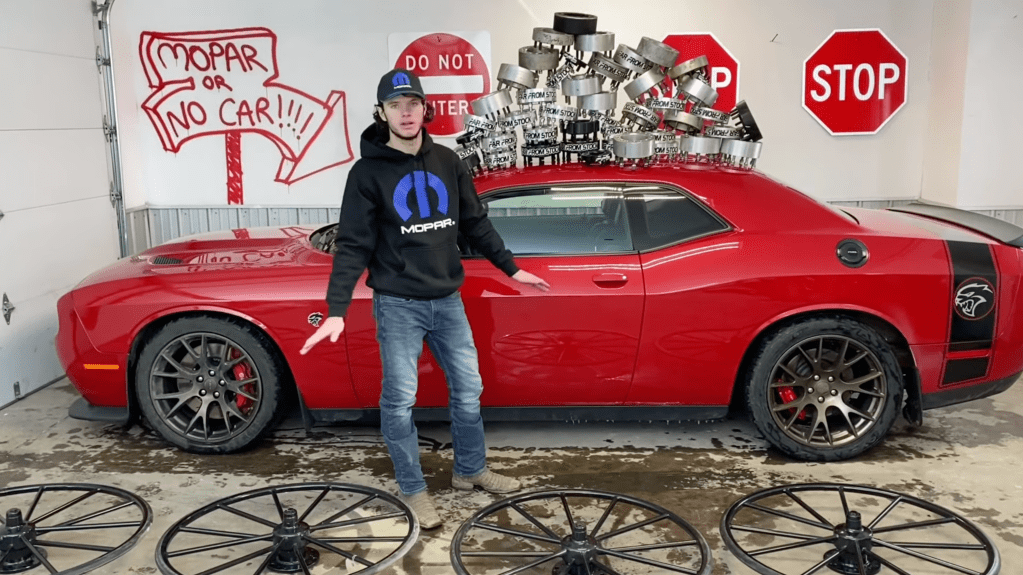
(873, 204)
(151, 226)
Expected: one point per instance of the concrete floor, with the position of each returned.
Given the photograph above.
(964, 458)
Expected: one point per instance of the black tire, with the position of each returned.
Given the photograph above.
(575, 23)
(208, 385)
(805, 415)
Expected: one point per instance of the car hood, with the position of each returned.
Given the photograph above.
(214, 251)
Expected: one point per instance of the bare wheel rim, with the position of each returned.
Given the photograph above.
(299, 528)
(827, 391)
(68, 528)
(853, 530)
(577, 532)
(205, 387)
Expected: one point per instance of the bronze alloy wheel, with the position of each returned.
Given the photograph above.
(825, 389)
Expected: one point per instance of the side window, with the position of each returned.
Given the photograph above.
(664, 217)
(561, 221)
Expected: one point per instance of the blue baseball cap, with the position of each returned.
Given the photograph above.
(399, 82)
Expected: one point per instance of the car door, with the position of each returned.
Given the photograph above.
(689, 350)
(577, 343)
(573, 345)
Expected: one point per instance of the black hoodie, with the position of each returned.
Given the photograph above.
(400, 217)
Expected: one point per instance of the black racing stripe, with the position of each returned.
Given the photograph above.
(969, 346)
(974, 291)
(957, 370)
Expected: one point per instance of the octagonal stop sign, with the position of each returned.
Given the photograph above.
(723, 67)
(854, 82)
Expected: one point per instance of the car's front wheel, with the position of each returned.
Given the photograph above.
(825, 389)
(208, 385)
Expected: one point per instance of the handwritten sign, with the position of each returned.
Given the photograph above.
(225, 82)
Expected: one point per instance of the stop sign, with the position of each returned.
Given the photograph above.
(724, 68)
(453, 72)
(854, 82)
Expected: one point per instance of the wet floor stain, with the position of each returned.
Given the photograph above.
(963, 458)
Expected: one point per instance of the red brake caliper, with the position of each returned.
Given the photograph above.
(788, 395)
(241, 373)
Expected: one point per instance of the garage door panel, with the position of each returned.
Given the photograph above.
(32, 26)
(49, 247)
(46, 167)
(36, 92)
(26, 347)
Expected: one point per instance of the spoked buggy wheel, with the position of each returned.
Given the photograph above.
(853, 530)
(302, 528)
(577, 532)
(68, 528)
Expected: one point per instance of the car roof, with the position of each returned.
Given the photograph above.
(748, 199)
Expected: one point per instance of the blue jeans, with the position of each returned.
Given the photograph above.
(402, 324)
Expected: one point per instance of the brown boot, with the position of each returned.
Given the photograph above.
(488, 480)
(422, 506)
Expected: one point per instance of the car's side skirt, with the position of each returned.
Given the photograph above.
(572, 413)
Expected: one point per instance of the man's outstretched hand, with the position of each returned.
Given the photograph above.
(331, 327)
(522, 276)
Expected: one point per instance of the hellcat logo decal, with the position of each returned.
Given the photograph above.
(975, 298)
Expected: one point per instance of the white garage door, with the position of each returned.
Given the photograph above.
(58, 223)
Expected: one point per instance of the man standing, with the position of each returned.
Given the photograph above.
(405, 202)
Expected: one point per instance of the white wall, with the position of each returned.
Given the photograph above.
(325, 46)
(950, 37)
(990, 170)
(59, 224)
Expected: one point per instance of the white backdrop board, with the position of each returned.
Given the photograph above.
(323, 47)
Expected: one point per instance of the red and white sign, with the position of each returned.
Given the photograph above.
(855, 82)
(223, 82)
(454, 68)
(724, 68)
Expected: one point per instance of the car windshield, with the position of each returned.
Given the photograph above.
(323, 238)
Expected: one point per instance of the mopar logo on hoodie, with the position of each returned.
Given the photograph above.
(422, 182)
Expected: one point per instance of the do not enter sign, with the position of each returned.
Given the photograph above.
(854, 82)
(454, 69)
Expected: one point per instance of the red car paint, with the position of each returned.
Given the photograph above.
(666, 327)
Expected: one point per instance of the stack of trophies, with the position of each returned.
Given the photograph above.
(668, 119)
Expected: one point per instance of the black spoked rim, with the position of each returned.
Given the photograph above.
(301, 528)
(68, 528)
(206, 387)
(827, 391)
(577, 532)
(853, 530)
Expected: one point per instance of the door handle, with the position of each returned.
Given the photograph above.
(610, 280)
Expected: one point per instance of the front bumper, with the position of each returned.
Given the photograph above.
(100, 377)
(82, 409)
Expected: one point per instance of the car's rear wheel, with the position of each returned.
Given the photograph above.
(824, 389)
(208, 385)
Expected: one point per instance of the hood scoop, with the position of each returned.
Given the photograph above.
(166, 261)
